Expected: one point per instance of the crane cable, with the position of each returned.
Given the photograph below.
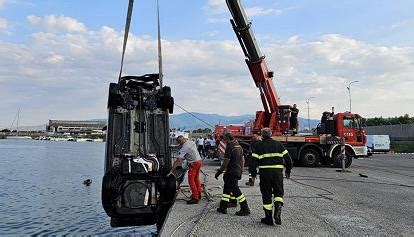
(127, 24)
(161, 75)
(188, 112)
(126, 33)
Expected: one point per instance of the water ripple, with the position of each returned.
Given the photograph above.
(42, 191)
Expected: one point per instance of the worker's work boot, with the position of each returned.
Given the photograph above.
(268, 220)
(193, 201)
(223, 207)
(278, 211)
(244, 209)
(250, 182)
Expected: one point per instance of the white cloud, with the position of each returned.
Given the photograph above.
(215, 6)
(4, 25)
(293, 39)
(261, 11)
(55, 23)
(66, 76)
(2, 2)
(212, 33)
(55, 59)
(215, 20)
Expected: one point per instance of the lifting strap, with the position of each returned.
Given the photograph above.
(126, 33)
(127, 24)
(161, 75)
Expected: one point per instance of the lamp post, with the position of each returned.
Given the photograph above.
(307, 102)
(349, 91)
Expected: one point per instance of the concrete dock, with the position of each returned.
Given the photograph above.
(318, 201)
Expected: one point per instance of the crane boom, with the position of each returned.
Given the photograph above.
(244, 30)
(257, 65)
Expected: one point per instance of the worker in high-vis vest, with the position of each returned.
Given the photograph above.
(233, 165)
(270, 156)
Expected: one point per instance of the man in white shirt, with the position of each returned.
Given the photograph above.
(189, 153)
(200, 145)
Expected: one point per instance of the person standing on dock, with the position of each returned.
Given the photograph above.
(190, 153)
(252, 168)
(200, 145)
(271, 157)
(293, 121)
(233, 165)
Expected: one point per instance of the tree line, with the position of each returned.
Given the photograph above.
(378, 121)
(203, 130)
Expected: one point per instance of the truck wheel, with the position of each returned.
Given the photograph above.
(337, 161)
(309, 157)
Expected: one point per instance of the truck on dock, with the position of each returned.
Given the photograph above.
(310, 150)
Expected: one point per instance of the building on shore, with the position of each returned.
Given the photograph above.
(76, 127)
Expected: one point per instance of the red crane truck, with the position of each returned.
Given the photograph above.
(309, 150)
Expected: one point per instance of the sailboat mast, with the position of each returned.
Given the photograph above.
(17, 126)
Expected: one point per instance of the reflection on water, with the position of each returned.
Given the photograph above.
(42, 189)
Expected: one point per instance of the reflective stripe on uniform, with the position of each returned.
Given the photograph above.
(268, 155)
(271, 166)
(232, 197)
(241, 198)
(225, 197)
(268, 206)
(278, 199)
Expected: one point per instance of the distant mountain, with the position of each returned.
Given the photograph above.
(186, 121)
(303, 123)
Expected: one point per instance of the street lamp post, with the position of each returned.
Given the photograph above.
(307, 102)
(349, 91)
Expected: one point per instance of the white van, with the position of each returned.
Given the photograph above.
(378, 143)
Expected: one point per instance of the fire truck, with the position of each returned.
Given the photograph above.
(307, 150)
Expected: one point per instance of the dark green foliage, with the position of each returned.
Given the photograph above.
(378, 121)
(95, 136)
(203, 130)
(402, 146)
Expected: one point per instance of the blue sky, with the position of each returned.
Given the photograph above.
(57, 57)
(373, 21)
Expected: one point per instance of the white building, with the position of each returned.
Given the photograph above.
(76, 127)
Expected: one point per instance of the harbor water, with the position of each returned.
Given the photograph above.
(42, 191)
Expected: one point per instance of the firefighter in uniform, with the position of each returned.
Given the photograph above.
(293, 121)
(252, 169)
(233, 164)
(271, 157)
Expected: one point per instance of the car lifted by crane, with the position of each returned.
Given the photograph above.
(322, 147)
(135, 187)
